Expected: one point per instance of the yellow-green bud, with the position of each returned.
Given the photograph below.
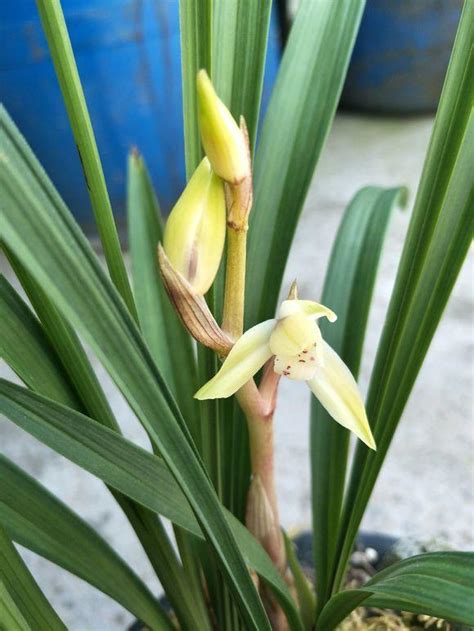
(195, 230)
(224, 143)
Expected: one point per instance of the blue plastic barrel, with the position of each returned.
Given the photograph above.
(128, 55)
(401, 55)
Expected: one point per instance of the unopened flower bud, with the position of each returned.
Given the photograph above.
(195, 230)
(224, 143)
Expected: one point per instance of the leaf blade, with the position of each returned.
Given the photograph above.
(53, 249)
(437, 242)
(296, 124)
(128, 468)
(240, 37)
(167, 339)
(37, 520)
(195, 20)
(438, 584)
(348, 288)
(55, 29)
(24, 347)
(23, 590)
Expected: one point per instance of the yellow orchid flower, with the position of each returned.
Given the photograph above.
(294, 340)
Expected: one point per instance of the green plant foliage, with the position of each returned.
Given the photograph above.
(69, 272)
(62, 54)
(167, 340)
(25, 347)
(439, 584)
(37, 520)
(128, 468)
(347, 290)
(240, 38)
(436, 245)
(297, 122)
(22, 603)
(197, 473)
(195, 18)
(35, 344)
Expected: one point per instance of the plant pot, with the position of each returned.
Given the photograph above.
(401, 55)
(128, 56)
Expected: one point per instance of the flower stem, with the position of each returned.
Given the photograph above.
(262, 518)
(234, 296)
(262, 505)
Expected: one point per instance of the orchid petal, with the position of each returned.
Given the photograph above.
(337, 390)
(307, 308)
(293, 334)
(246, 358)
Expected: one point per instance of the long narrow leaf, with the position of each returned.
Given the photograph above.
(37, 520)
(67, 353)
(167, 339)
(23, 590)
(128, 468)
(10, 615)
(438, 239)
(171, 348)
(195, 20)
(62, 55)
(25, 347)
(297, 122)
(347, 291)
(40, 231)
(439, 584)
(240, 36)
(35, 357)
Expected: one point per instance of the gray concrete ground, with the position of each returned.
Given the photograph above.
(426, 486)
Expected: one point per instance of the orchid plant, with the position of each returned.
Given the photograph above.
(195, 348)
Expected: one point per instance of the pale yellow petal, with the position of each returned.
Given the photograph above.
(223, 141)
(246, 358)
(306, 307)
(195, 230)
(293, 334)
(337, 390)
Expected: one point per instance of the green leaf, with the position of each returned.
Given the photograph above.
(347, 291)
(66, 352)
(37, 520)
(24, 594)
(171, 348)
(26, 349)
(195, 20)
(60, 48)
(304, 591)
(128, 468)
(168, 341)
(437, 242)
(240, 36)
(40, 231)
(10, 615)
(33, 370)
(439, 584)
(296, 124)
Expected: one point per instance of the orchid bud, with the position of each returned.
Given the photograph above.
(195, 230)
(224, 142)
